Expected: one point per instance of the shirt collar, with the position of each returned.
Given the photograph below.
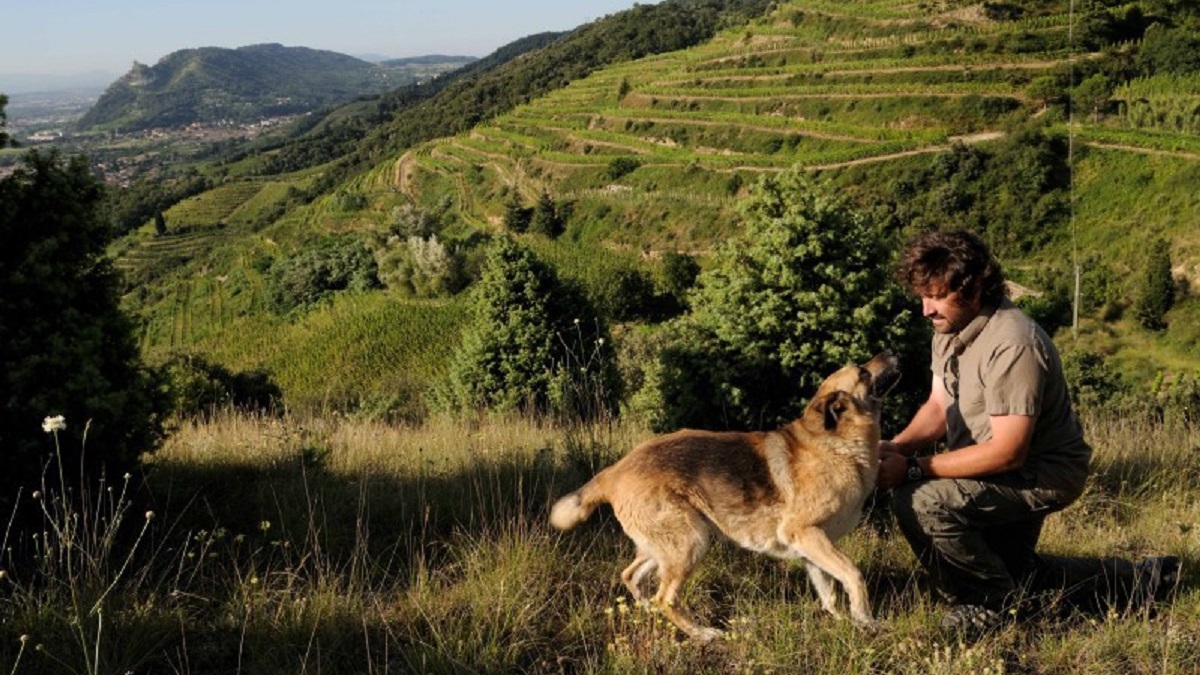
(967, 335)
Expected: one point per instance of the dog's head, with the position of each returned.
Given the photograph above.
(850, 399)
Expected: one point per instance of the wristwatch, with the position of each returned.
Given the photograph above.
(914, 471)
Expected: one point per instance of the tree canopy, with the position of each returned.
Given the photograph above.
(803, 291)
(65, 346)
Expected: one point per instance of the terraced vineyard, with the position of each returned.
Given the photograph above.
(821, 84)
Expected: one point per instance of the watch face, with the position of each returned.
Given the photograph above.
(914, 469)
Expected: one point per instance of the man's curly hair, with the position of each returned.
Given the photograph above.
(952, 261)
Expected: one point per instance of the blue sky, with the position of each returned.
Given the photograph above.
(62, 37)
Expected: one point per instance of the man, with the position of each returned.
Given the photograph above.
(1015, 450)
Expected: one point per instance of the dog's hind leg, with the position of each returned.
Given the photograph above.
(824, 584)
(634, 576)
(678, 548)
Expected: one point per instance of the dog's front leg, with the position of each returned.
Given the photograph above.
(824, 585)
(814, 545)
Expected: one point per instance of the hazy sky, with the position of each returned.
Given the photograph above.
(61, 37)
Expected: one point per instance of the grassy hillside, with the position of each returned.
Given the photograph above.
(1035, 126)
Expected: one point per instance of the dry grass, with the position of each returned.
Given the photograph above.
(339, 546)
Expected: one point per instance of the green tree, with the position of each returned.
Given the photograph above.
(545, 219)
(65, 346)
(516, 216)
(330, 265)
(1156, 294)
(799, 294)
(533, 344)
(4, 139)
(1093, 95)
(1170, 50)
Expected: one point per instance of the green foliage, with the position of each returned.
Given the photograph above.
(1092, 95)
(1174, 50)
(132, 206)
(797, 295)
(626, 293)
(621, 166)
(199, 387)
(516, 215)
(1091, 381)
(1181, 398)
(534, 344)
(1156, 292)
(4, 138)
(679, 272)
(327, 266)
(416, 260)
(66, 347)
(546, 219)
(422, 267)
(1015, 194)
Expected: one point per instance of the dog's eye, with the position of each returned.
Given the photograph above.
(864, 374)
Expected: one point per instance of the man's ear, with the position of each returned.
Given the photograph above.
(834, 405)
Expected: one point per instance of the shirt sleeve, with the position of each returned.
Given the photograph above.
(1013, 383)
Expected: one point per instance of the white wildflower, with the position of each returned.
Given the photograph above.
(52, 424)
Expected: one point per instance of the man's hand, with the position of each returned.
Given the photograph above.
(893, 468)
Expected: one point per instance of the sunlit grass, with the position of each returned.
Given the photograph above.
(344, 546)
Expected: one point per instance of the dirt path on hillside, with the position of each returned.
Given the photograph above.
(1144, 151)
(753, 127)
(403, 174)
(646, 98)
(968, 140)
(844, 72)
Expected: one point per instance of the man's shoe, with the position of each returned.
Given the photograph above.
(1155, 579)
(971, 620)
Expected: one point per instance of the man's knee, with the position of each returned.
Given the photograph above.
(929, 506)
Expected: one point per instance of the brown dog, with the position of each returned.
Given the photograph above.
(789, 493)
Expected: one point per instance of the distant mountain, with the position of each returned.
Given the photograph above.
(429, 60)
(211, 84)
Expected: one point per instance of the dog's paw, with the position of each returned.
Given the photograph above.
(706, 635)
(869, 625)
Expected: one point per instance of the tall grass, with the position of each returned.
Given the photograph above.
(341, 546)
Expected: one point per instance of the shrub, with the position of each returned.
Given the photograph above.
(621, 166)
(1092, 383)
(534, 345)
(626, 293)
(516, 215)
(1156, 293)
(330, 265)
(198, 387)
(546, 219)
(796, 296)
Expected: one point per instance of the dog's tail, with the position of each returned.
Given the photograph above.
(577, 507)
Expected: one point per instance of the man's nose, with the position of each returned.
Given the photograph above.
(927, 308)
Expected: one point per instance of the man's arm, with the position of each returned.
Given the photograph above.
(1004, 451)
(927, 426)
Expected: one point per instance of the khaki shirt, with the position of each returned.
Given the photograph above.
(1003, 363)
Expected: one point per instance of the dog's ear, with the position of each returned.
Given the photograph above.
(835, 404)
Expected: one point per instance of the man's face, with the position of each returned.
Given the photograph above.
(948, 311)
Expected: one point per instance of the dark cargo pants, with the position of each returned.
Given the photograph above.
(977, 540)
